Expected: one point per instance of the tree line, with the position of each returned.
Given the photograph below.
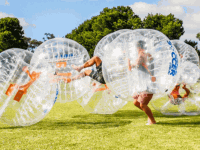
(90, 32)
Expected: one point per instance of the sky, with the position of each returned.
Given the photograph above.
(60, 17)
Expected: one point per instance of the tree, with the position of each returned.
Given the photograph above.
(169, 25)
(198, 36)
(109, 20)
(11, 34)
(194, 45)
(32, 44)
(48, 36)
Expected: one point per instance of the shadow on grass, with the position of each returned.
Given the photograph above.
(178, 123)
(88, 121)
(93, 124)
(100, 121)
(94, 121)
(17, 127)
(121, 114)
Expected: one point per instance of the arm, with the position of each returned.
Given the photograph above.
(186, 90)
(145, 66)
(150, 57)
(129, 65)
(153, 79)
(25, 69)
(137, 62)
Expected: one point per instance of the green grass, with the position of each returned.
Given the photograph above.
(68, 126)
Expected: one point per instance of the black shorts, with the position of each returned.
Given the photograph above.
(98, 75)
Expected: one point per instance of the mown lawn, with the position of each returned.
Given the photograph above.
(68, 126)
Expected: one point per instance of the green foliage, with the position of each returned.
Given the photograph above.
(198, 36)
(194, 45)
(11, 34)
(90, 32)
(169, 25)
(32, 44)
(48, 36)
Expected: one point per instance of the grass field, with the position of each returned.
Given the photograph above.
(68, 126)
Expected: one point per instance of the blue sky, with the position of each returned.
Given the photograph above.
(62, 16)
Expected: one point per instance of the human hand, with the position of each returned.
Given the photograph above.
(151, 58)
(129, 64)
(153, 79)
(25, 69)
(184, 86)
(93, 84)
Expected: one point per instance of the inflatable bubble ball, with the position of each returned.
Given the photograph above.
(140, 61)
(176, 103)
(102, 44)
(100, 100)
(176, 106)
(26, 94)
(189, 62)
(62, 54)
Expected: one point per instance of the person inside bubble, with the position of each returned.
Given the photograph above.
(143, 96)
(96, 75)
(175, 98)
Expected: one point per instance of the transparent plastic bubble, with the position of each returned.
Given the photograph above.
(187, 52)
(189, 74)
(189, 64)
(102, 44)
(62, 53)
(155, 72)
(26, 95)
(100, 100)
(178, 106)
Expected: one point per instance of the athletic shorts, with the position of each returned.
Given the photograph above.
(98, 75)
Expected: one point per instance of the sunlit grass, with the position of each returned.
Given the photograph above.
(68, 126)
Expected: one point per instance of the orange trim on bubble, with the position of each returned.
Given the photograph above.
(19, 95)
(102, 89)
(23, 88)
(61, 64)
(10, 89)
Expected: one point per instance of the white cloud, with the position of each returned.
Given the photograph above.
(185, 2)
(22, 21)
(190, 17)
(142, 9)
(3, 15)
(7, 3)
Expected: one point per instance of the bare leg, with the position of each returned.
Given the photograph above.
(81, 75)
(94, 60)
(137, 104)
(143, 104)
